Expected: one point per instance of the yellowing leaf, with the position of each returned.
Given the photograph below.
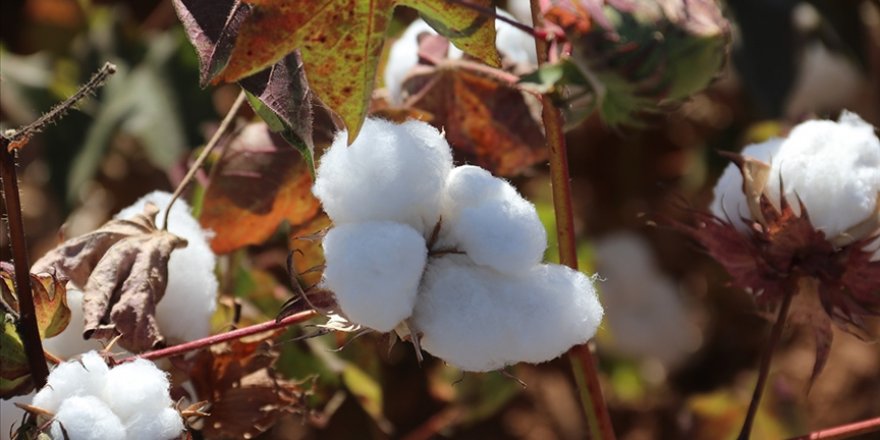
(261, 182)
(50, 299)
(341, 43)
(14, 371)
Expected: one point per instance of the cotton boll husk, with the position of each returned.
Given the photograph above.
(87, 418)
(730, 201)
(391, 172)
(485, 217)
(643, 310)
(184, 312)
(136, 387)
(374, 270)
(167, 424)
(833, 168)
(82, 377)
(479, 319)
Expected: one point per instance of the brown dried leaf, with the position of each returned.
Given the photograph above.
(245, 397)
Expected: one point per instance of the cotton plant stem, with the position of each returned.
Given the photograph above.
(844, 431)
(224, 127)
(580, 356)
(224, 337)
(26, 326)
(766, 358)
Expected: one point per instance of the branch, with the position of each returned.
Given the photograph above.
(844, 431)
(223, 337)
(581, 357)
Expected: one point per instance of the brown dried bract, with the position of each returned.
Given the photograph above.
(123, 270)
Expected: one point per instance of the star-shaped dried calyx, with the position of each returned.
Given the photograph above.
(783, 251)
(123, 268)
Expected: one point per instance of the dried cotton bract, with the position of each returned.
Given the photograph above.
(92, 401)
(453, 253)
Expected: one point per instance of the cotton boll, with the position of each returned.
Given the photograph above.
(87, 418)
(134, 388)
(184, 312)
(833, 168)
(485, 217)
(81, 377)
(70, 341)
(167, 424)
(404, 55)
(481, 320)
(521, 9)
(374, 270)
(730, 201)
(391, 172)
(514, 44)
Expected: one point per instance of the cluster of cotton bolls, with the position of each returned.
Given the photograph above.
(644, 313)
(184, 312)
(832, 168)
(89, 400)
(514, 45)
(452, 252)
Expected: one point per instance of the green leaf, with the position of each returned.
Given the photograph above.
(14, 372)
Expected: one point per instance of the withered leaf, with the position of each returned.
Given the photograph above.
(487, 121)
(246, 399)
(260, 182)
(123, 268)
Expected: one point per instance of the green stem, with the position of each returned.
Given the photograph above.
(26, 326)
(581, 357)
(764, 372)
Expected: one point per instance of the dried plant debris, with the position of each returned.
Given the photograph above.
(123, 268)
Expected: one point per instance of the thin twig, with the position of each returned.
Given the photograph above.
(17, 138)
(26, 325)
(224, 126)
(844, 431)
(223, 337)
(580, 356)
(766, 358)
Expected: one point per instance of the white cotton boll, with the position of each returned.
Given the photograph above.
(167, 424)
(137, 387)
(644, 312)
(82, 377)
(87, 418)
(70, 341)
(486, 217)
(479, 319)
(391, 172)
(184, 312)
(514, 44)
(730, 202)
(374, 270)
(833, 168)
(521, 9)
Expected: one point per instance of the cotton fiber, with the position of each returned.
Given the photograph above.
(374, 270)
(391, 172)
(730, 202)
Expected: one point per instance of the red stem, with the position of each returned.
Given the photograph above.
(844, 431)
(581, 357)
(223, 337)
(26, 325)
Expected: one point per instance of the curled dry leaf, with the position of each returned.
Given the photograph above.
(246, 399)
(123, 268)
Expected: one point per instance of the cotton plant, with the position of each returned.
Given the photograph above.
(447, 256)
(796, 221)
(515, 46)
(86, 399)
(190, 297)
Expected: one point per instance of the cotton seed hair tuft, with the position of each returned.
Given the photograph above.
(478, 297)
(93, 401)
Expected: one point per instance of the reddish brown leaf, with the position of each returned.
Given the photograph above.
(261, 182)
(487, 121)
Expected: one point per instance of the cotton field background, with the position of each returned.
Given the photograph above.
(298, 220)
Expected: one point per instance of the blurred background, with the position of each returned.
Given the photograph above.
(678, 350)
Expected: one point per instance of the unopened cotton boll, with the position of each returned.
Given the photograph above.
(374, 270)
(730, 202)
(833, 168)
(391, 172)
(93, 401)
(486, 217)
(184, 312)
(479, 319)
